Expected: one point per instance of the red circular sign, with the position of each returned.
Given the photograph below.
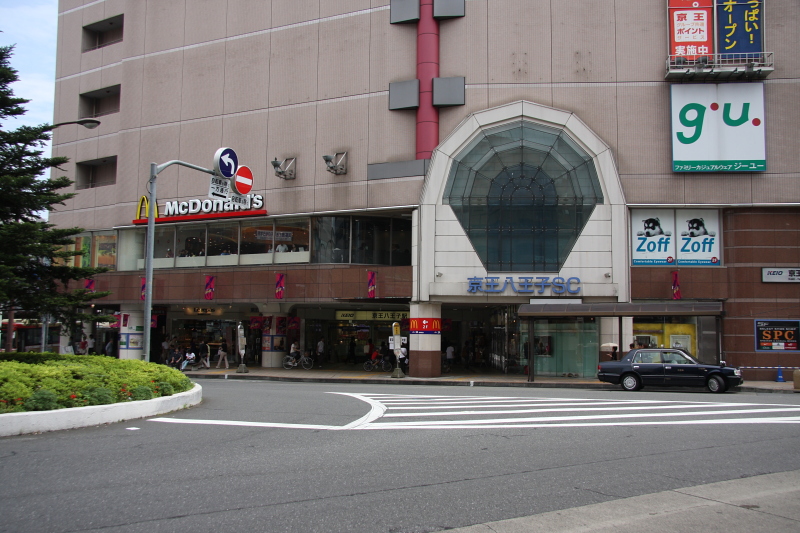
(243, 180)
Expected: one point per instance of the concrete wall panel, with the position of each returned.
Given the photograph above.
(343, 57)
(203, 81)
(164, 26)
(293, 67)
(285, 12)
(292, 133)
(643, 128)
(162, 88)
(246, 16)
(247, 74)
(247, 134)
(200, 139)
(519, 44)
(463, 49)
(391, 134)
(332, 8)
(159, 145)
(205, 21)
(580, 55)
(390, 52)
(342, 126)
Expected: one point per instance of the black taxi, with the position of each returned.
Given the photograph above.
(665, 367)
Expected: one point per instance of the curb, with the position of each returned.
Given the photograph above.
(94, 415)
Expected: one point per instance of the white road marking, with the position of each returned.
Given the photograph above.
(592, 413)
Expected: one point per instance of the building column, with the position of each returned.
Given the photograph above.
(425, 349)
(273, 357)
(131, 333)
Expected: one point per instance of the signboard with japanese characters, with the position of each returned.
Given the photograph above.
(691, 24)
(670, 237)
(781, 274)
(739, 28)
(718, 127)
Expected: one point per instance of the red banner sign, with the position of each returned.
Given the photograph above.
(424, 325)
(691, 29)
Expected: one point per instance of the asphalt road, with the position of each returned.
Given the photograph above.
(306, 457)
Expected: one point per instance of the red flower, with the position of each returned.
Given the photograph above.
(73, 396)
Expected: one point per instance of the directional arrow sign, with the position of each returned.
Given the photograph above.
(243, 181)
(226, 162)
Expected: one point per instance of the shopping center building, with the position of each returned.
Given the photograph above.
(530, 181)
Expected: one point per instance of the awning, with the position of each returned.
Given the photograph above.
(623, 309)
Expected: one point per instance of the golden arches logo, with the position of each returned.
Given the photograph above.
(144, 203)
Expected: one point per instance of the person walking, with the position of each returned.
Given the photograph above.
(90, 345)
(223, 353)
(203, 353)
(320, 351)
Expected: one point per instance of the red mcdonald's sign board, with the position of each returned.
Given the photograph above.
(425, 325)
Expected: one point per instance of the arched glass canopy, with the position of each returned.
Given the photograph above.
(523, 193)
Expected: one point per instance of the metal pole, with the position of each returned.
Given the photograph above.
(148, 260)
(155, 170)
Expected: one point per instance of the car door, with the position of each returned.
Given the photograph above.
(647, 363)
(681, 371)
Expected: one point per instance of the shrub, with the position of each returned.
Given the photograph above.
(98, 396)
(142, 392)
(42, 400)
(76, 379)
(164, 388)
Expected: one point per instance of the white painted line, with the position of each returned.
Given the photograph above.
(559, 410)
(515, 422)
(240, 423)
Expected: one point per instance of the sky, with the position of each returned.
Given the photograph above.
(32, 26)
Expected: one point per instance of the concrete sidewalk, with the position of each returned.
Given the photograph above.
(343, 373)
(769, 502)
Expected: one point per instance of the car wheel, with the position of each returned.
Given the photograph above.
(631, 382)
(716, 384)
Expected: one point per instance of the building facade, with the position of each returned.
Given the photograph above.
(530, 181)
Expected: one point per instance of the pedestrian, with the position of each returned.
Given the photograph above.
(175, 358)
(110, 348)
(351, 351)
(203, 353)
(90, 345)
(613, 353)
(450, 354)
(165, 350)
(403, 360)
(223, 353)
(294, 351)
(320, 350)
(188, 358)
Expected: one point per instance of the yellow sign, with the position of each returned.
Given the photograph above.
(144, 204)
(396, 328)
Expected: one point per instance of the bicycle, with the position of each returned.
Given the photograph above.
(305, 361)
(383, 364)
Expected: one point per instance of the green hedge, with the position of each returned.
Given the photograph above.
(43, 381)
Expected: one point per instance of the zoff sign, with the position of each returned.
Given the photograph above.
(718, 128)
(675, 237)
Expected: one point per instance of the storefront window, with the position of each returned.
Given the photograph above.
(370, 240)
(83, 243)
(291, 241)
(164, 248)
(131, 249)
(563, 346)
(105, 250)
(331, 240)
(257, 243)
(191, 241)
(401, 242)
(223, 239)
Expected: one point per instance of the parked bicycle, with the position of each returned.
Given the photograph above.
(382, 364)
(304, 360)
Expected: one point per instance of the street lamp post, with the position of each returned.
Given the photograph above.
(90, 124)
(155, 170)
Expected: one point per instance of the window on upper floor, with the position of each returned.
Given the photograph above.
(96, 173)
(100, 102)
(103, 33)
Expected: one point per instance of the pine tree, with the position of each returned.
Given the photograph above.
(35, 263)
